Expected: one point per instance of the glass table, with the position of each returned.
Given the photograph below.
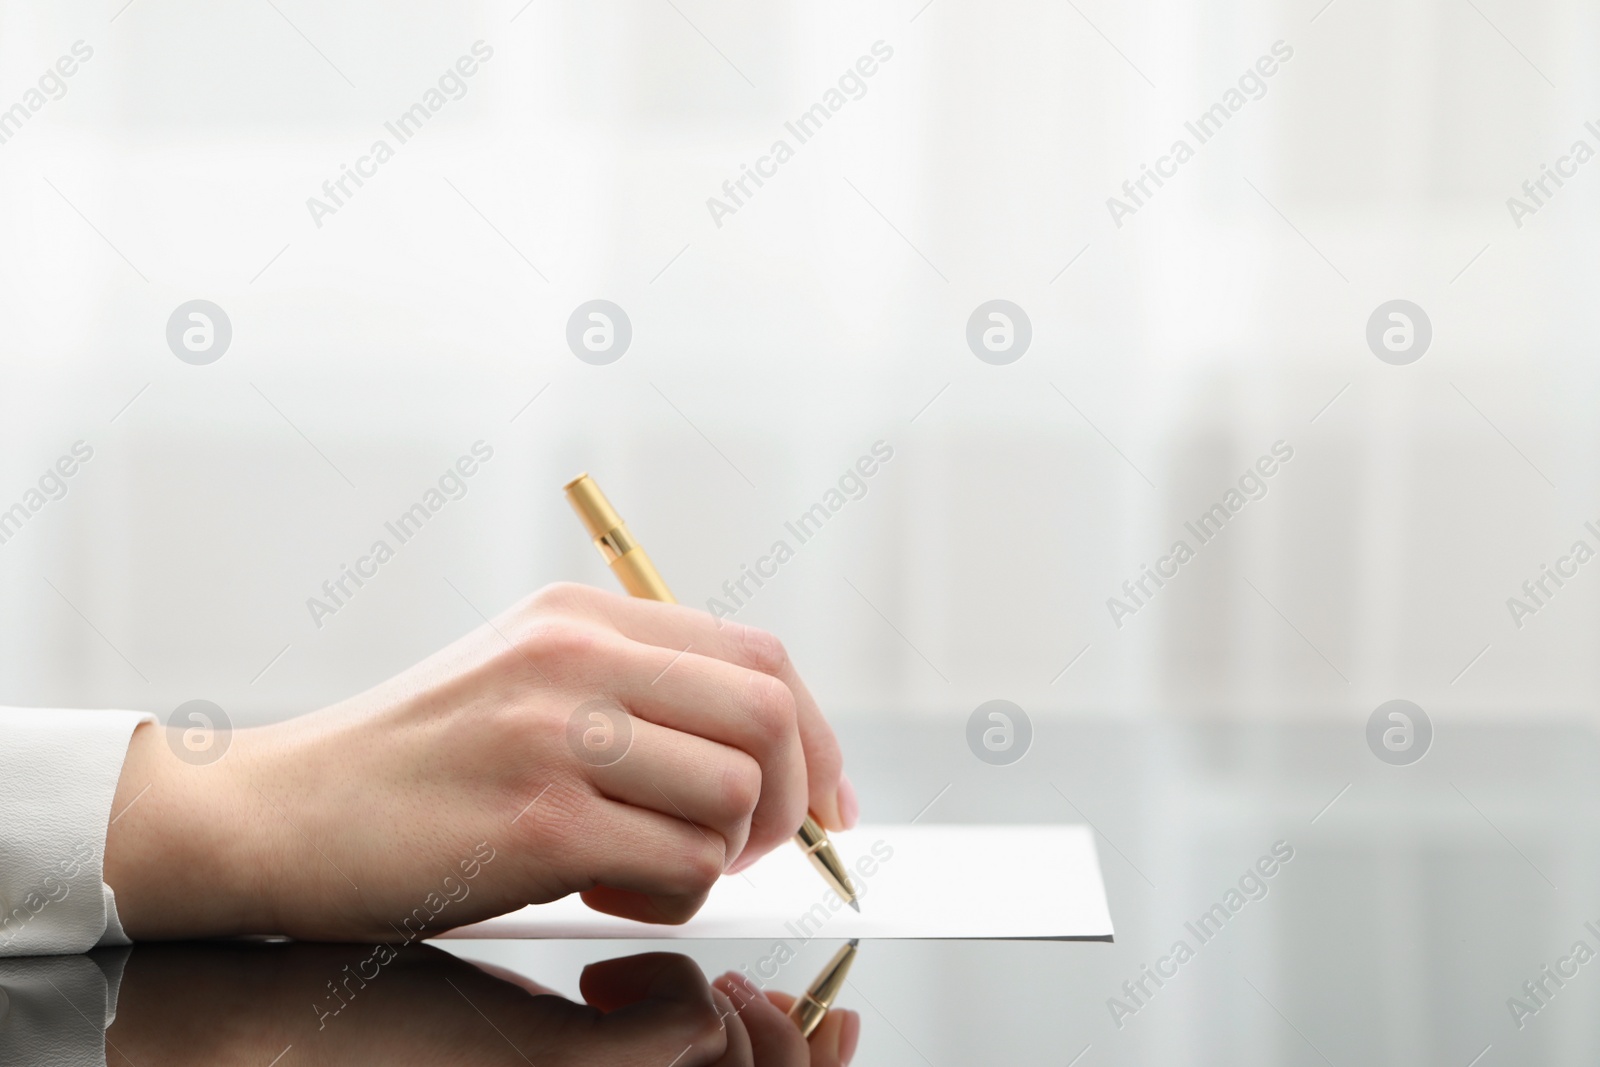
(1332, 908)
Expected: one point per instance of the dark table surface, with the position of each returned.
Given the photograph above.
(1417, 902)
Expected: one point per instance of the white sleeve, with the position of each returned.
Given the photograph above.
(55, 1010)
(58, 775)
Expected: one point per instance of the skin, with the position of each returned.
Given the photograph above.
(246, 1004)
(457, 781)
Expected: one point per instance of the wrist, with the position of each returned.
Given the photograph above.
(185, 848)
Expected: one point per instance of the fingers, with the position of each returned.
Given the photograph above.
(833, 1042)
(831, 800)
(637, 863)
(611, 985)
(734, 706)
(684, 776)
(658, 1007)
(707, 699)
(739, 1052)
(643, 907)
(676, 627)
(774, 1036)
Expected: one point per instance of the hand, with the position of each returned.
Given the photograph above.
(247, 1003)
(453, 792)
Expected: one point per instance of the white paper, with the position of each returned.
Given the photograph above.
(994, 882)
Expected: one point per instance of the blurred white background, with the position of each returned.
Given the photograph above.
(829, 312)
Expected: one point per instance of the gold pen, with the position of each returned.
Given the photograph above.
(639, 577)
(810, 1007)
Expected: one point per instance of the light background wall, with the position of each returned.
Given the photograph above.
(827, 313)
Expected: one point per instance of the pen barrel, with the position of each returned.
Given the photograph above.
(807, 1014)
(594, 510)
(614, 543)
(639, 576)
(810, 1007)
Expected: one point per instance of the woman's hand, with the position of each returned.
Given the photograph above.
(581, 742)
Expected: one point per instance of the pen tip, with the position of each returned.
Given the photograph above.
(856, 906)
(855, 942)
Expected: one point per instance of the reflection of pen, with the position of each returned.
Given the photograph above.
(809, 1008)
(638, 576)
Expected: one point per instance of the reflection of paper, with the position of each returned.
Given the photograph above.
(1003, 882)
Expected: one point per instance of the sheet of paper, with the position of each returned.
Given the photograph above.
(996, 882)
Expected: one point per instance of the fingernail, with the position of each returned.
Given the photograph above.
(849, 806)
(849, 1036)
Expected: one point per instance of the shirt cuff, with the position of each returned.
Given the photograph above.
(46, 1002)
(58, 775)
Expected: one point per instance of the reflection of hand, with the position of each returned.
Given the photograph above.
(247, 1003)
(339, 824)
(777, 1040)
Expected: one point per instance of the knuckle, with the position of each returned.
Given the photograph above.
(558, 597)
(703, 866)
(771, 707)
(741, 786)
(558, 642)
(762, 650)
